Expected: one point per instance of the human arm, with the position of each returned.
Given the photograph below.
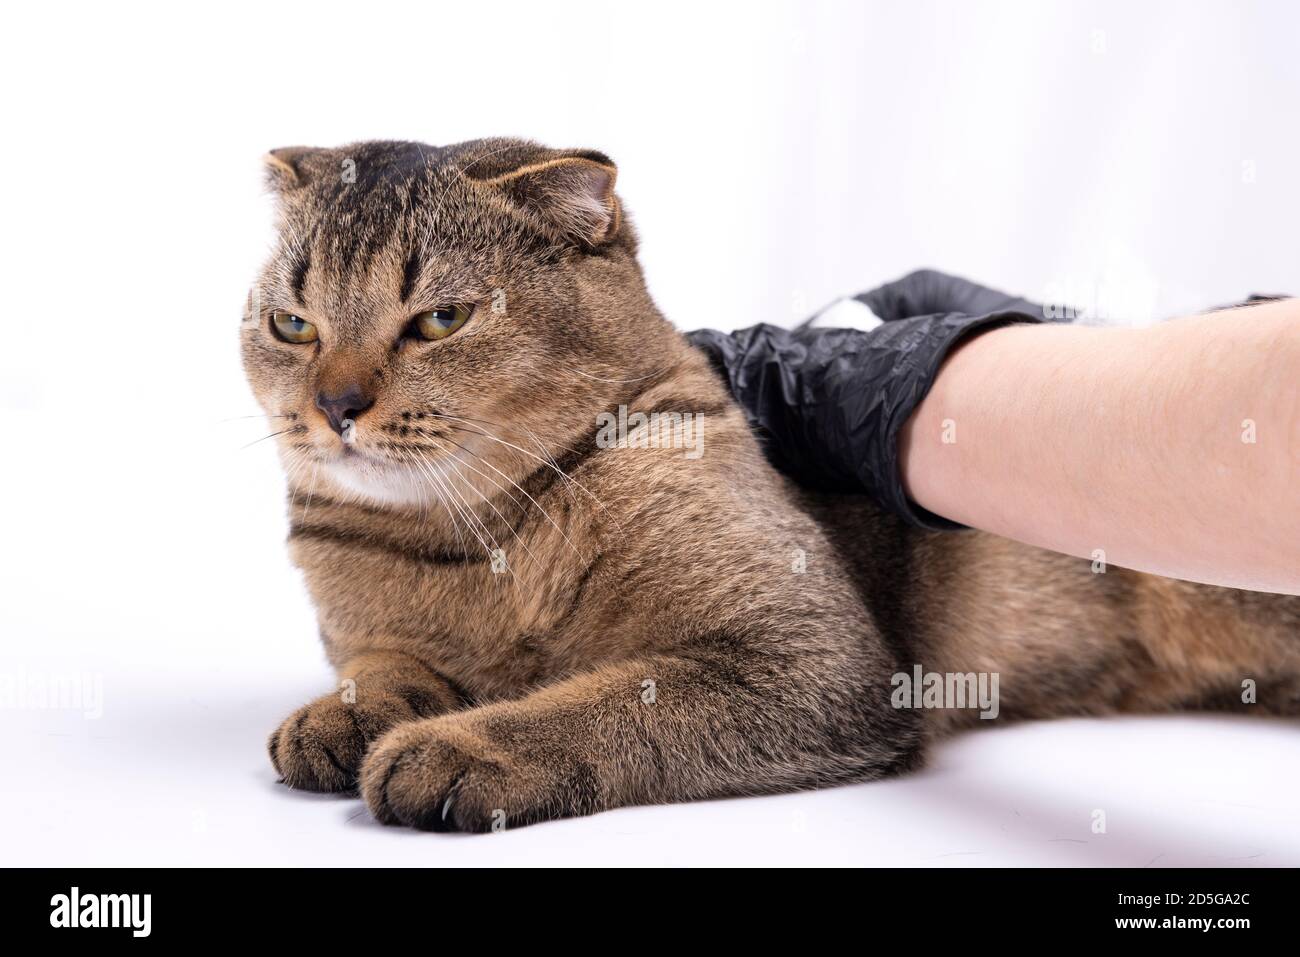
(1173, 449)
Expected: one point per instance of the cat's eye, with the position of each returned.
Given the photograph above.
(293, 328)
(441, 322)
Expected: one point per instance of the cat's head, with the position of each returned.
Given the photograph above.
(421, 299)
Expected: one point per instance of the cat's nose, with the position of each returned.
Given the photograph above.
(341, 406)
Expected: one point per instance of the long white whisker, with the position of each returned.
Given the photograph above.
(527, 496)
(263, 439)
(292, 474)
(260, 415)
(558, 470)
(568, 479)
(442, 500)
(431, 472)
(640, 378)
(467, 451)
(449, 473)
(475, 490)
(310, 491)
(467, 509)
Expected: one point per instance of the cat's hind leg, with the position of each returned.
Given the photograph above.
(321, 745)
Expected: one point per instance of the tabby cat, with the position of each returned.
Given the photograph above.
(530, 620)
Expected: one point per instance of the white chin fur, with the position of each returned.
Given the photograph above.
(386, 485)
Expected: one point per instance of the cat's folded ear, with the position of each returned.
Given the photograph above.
(573, 194)
(289, 167)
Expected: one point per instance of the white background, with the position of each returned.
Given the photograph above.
(774, 156)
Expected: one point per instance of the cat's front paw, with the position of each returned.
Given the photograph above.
(447, 774)
(320, 746)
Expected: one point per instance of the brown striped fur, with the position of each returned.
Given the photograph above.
(655, 635)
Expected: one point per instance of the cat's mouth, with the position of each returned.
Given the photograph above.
(389, 464)
(364, 461)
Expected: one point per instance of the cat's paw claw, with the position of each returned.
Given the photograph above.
(441, 779)
(320, 746)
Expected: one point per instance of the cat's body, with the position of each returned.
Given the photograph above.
(531, 623)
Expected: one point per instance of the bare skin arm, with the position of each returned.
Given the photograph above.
(1173, 449)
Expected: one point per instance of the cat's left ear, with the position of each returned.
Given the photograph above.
(288, 167)
(574, 194)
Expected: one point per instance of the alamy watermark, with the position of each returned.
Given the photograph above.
(130, 911)
(36, 691)
(1102, 302)
(934, 689)
(653, 430)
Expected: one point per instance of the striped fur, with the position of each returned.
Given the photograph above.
(663, 628)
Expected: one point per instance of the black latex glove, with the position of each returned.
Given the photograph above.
(830, 402)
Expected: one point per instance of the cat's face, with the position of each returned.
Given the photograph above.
(427, 304)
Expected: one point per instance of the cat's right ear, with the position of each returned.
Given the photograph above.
(287, 167)
(572, 191)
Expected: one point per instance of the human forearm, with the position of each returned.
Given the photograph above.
(1172, 449)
